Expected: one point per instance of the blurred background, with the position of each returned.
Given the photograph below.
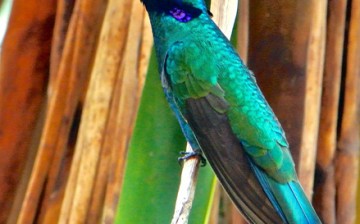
(87, 137)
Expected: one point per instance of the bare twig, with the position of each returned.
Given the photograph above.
(186, 189)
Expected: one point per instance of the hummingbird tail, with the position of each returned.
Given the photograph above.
(289, 199)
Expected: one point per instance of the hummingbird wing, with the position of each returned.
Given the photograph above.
(250, 172)
(261, 198)
(191, 75)
(231, 164)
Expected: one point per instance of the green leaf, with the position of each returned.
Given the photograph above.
(152, 172)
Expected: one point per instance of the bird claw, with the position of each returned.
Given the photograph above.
(188, 155)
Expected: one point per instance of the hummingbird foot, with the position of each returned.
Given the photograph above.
(188, 155)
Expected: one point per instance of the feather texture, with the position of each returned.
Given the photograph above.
(222, 111)
(229, 161)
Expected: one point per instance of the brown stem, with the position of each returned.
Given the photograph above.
(24, 70)
(347, 161)
(324, 187)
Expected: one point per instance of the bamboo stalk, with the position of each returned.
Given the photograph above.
(126, 97)
(85, 39)
(224, 14)
(40, 169)
(128, 93)
(50, 210)
(25, 176)
(63, 15)
(97, 107)
(57, 175)
(69, 83)
(243, 29)
(347, 161)
(324, 189)
(23, 73)
(314, 74)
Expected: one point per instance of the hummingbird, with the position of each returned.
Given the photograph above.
(224, 115)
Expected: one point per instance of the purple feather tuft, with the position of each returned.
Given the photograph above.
(180, 14)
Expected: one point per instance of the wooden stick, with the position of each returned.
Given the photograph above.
(347, 161)
(26, 174)
(95, 115)
(314, 74)
(44, 156)
(243, 29)
(224, 14)
(126, 98)
(128, 94)
(186, 189)
(324, 189)
(67, 90)
(63, 15)
(24, 69)
(58, 172)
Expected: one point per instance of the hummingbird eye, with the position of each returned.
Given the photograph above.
(180, 15)
(184, 13)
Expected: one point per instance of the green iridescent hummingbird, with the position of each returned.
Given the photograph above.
(223, 114)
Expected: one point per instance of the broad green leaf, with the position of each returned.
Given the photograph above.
(152, 172)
